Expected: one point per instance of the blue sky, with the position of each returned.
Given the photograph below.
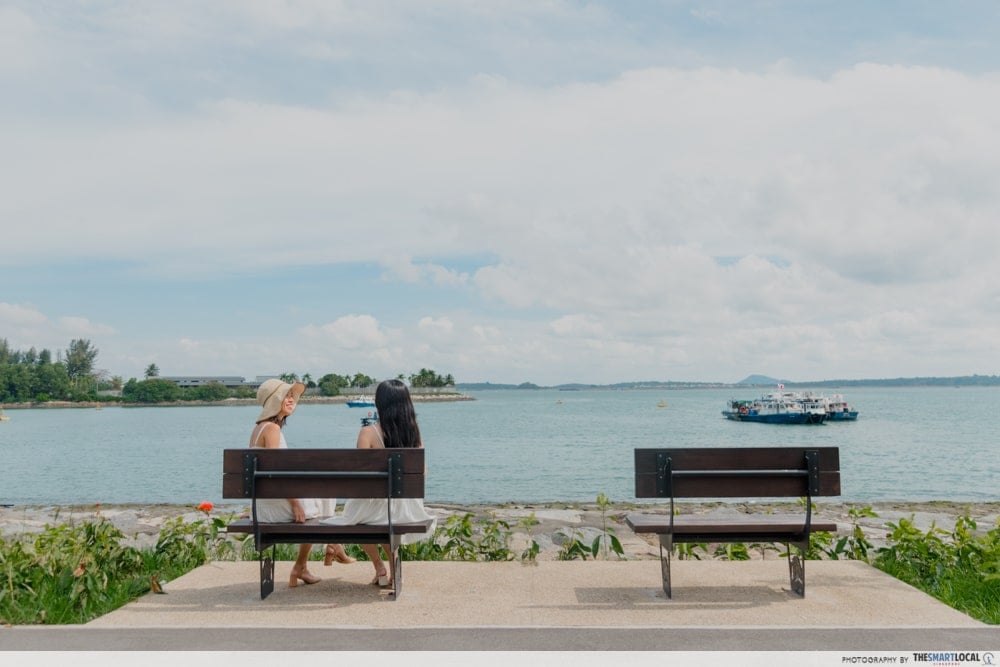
(505, 191)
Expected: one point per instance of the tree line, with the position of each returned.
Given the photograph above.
(39, 376)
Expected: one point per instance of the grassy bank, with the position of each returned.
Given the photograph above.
(81, 567)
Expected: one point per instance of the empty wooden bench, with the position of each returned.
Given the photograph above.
(736, 472)
(256, 473)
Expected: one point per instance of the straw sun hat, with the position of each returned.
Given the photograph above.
(271, 394)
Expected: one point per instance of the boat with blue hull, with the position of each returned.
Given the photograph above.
(839, 410)
(360, 402)
(772, 409)
(786, 407)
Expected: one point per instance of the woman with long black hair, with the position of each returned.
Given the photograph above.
(396, 427)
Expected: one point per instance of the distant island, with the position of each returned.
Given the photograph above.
(753, 381)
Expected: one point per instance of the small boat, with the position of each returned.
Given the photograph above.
(360, 402)
(3, 417)
(661, 404)
(370, 419)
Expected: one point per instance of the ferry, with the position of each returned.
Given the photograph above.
(775, 408)
(839, 410)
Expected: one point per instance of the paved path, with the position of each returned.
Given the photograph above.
(574, 605)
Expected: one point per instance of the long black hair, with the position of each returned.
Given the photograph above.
(396, 415)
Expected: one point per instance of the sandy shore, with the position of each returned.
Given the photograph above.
(557, 522)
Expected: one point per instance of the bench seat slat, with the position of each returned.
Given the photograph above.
(313, 526)
(748, 524)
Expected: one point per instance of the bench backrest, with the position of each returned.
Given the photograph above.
(737, 472)
(322, 473)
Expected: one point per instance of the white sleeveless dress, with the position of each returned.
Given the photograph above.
(373, 510)
(278, 510)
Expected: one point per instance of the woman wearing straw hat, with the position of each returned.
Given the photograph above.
(278, 400)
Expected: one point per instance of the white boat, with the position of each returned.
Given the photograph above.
(774, 408)
(360, 402)
(839, 410)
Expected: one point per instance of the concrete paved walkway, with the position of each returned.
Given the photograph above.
(548, 606)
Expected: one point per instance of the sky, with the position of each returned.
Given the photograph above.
(506, 191)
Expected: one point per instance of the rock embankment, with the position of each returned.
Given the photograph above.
(557, 523)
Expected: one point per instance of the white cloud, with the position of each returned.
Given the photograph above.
(350, 332)
(24, 327)
(653, 219)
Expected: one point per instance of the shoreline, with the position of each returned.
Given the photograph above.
(557, 522)
(304, 400)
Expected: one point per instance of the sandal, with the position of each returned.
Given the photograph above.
(305, 576)
(335, 552)
(381, 580)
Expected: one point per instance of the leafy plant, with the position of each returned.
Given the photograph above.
(574, 547)
(689, 550)
(607, 540)
(530, 553)
(732, 551)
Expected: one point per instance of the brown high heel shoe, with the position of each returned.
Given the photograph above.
(305, 576)
(335, 552)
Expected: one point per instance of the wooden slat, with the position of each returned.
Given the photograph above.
(743, 524)
(738, 458)
(373, 460)
(323, 460)
(313, 526)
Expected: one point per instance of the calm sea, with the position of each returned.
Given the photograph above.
(909, 444)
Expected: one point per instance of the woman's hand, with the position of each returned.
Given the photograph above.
(298, 514)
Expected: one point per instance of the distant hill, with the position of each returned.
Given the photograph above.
(759, 380)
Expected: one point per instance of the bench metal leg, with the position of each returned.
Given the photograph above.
(266, 558)
(797, 567)
(666, 548)
(397, 569)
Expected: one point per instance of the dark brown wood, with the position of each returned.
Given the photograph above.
(314, 526)
(747, 524)
(323, 460)
(735, 472)
(743, 459)
(323, 473)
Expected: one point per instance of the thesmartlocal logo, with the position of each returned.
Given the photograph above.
(944, 659)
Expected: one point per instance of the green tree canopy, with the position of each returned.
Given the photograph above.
(211, 391)
(428, 378)
(152, 371)
(362, 380)
(80, 359)
(153, 390)
(331, 384)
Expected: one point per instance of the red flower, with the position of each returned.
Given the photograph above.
(206, 507)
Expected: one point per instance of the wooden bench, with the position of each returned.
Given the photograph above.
(256, 473)
(736, 472)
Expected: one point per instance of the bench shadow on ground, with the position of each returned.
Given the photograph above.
(704, 597)
(330, 593)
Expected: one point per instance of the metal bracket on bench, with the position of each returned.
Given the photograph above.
(396, 471)
(249, 470)
(812, 464)
(664, 475)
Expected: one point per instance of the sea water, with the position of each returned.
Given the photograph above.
(909, 444)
